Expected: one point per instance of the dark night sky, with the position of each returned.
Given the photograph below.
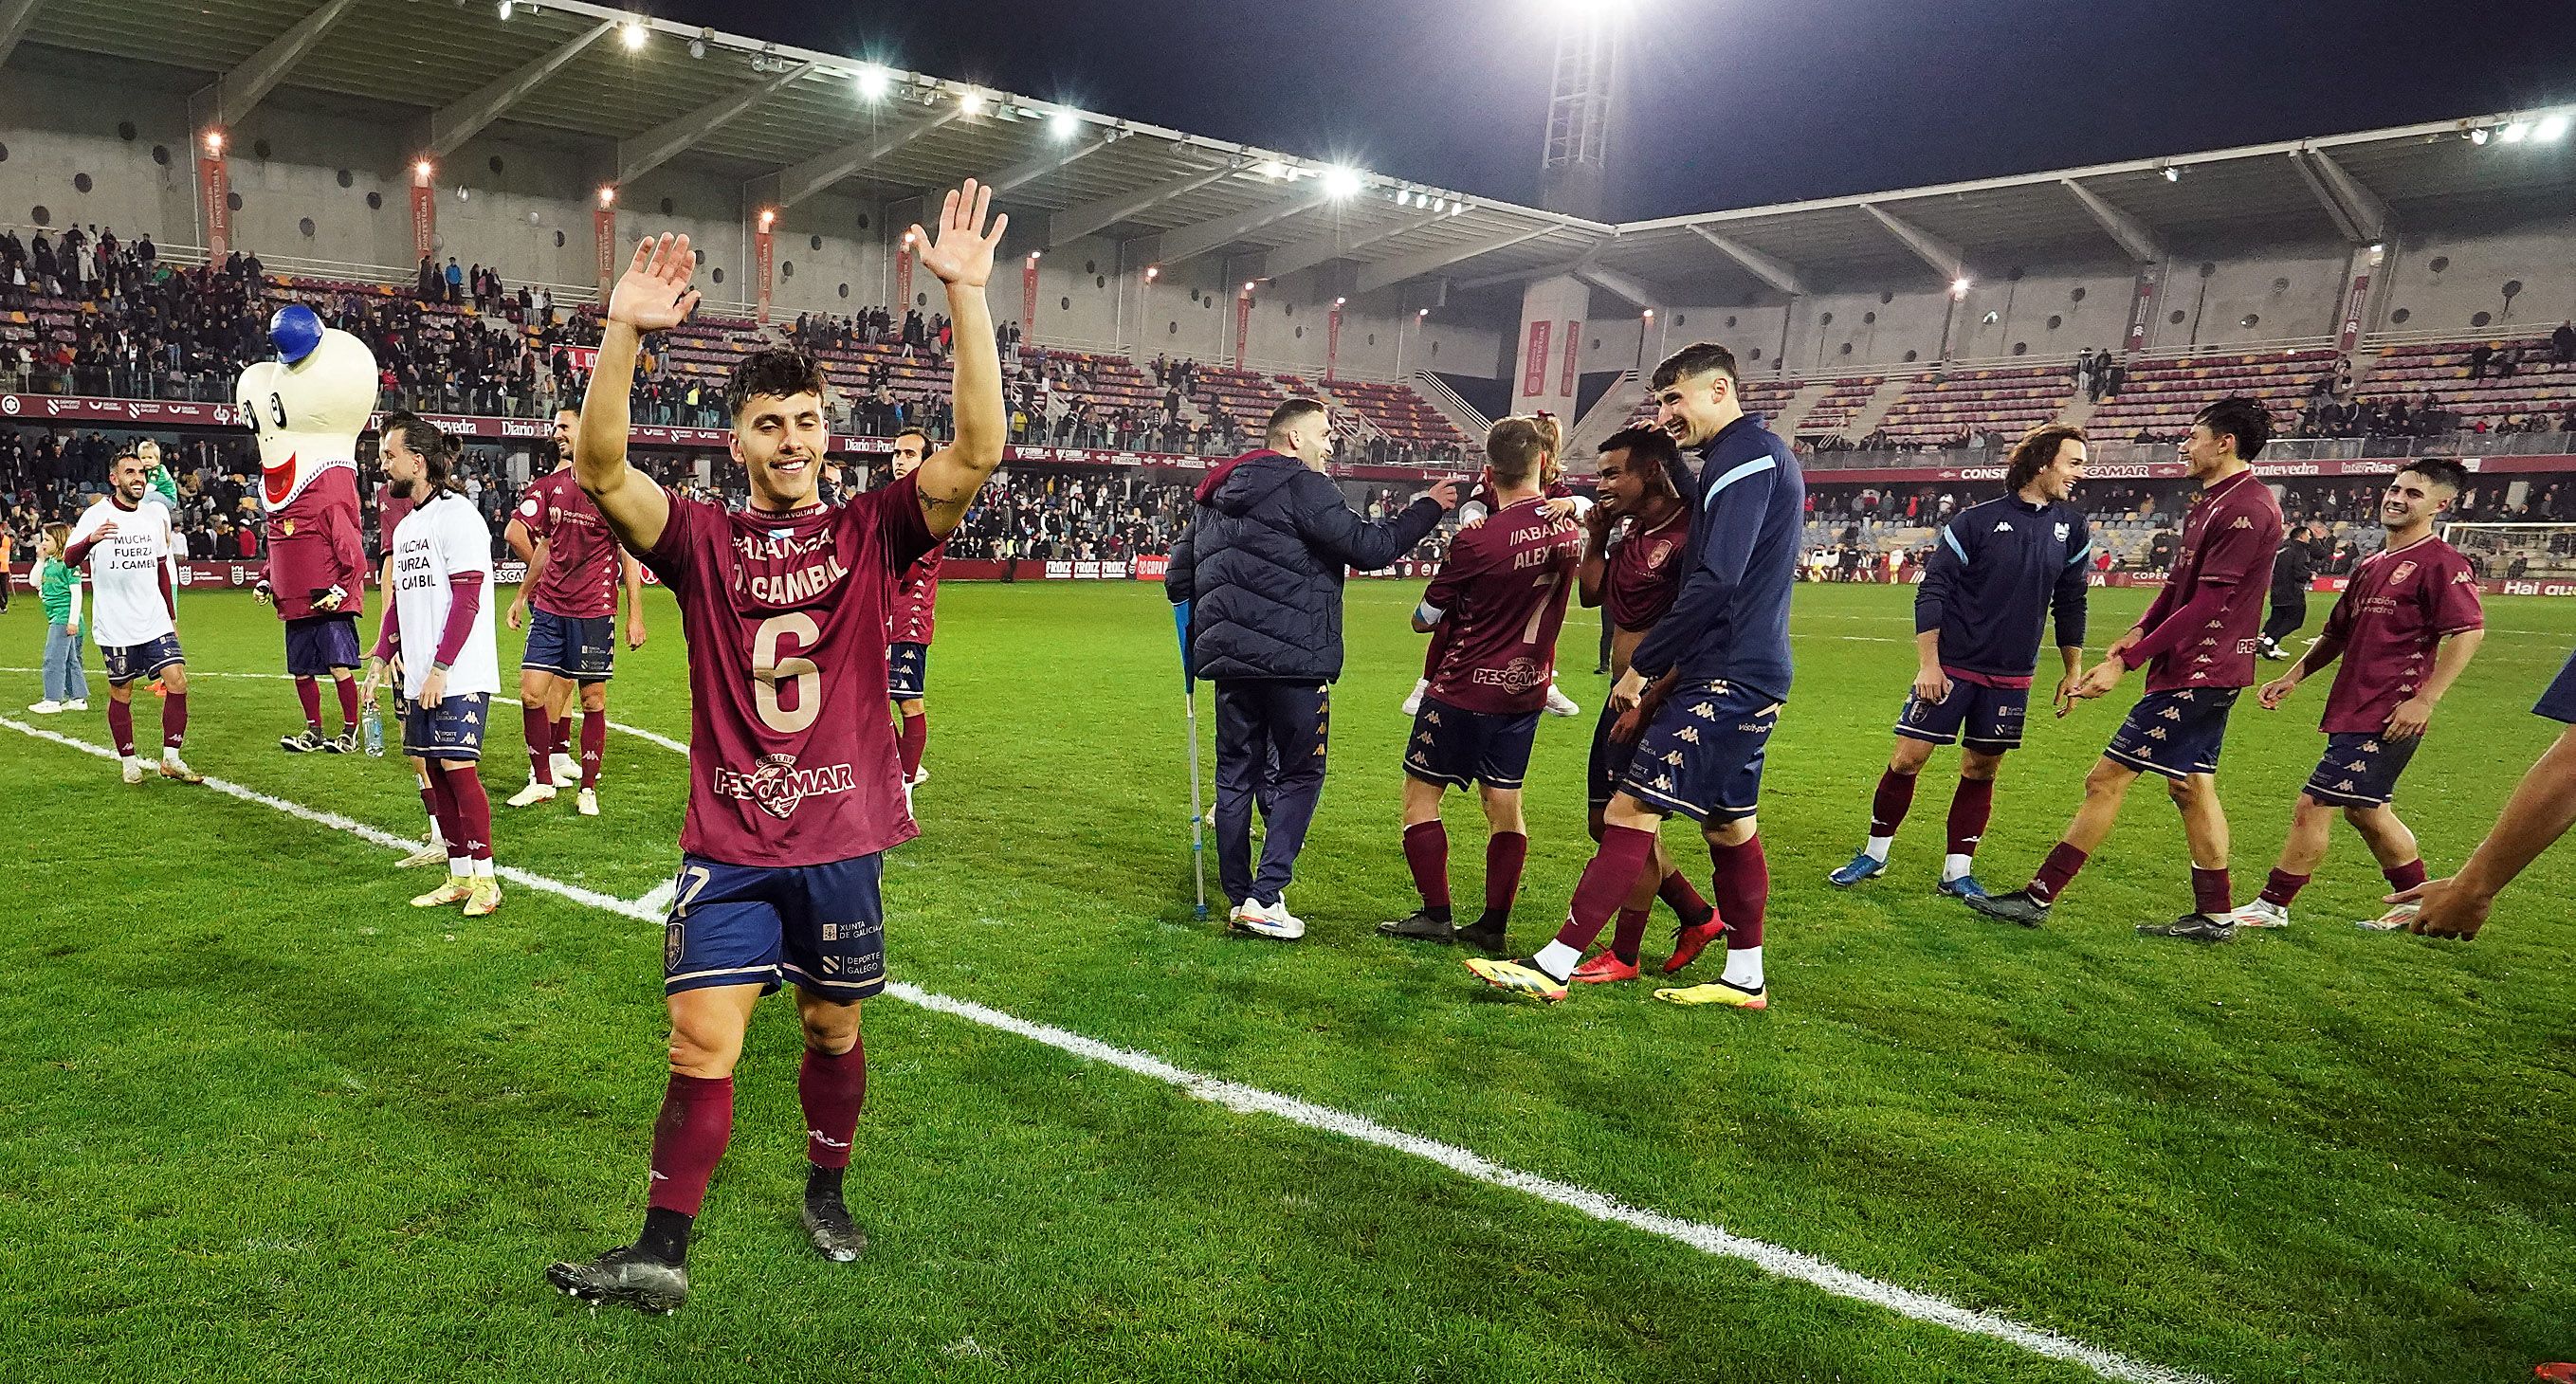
(1726, 102)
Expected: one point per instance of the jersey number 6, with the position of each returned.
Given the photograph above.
(788, 703)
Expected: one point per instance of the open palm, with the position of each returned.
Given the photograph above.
(654, 294)
(963, 251)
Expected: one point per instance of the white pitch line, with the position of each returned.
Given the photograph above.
(638, 732)
(1776, 1260)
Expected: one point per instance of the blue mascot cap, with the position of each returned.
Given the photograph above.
(296, 330)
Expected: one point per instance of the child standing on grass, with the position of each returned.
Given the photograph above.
(58, 586)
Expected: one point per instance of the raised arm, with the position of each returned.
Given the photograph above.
(962, 257)
(654, 295)
(631, 574)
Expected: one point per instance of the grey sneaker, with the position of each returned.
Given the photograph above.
(836, 1237)
(2192, 927)
(305, 741)
(2015, 907)
(625, 1274)
(1419, 927)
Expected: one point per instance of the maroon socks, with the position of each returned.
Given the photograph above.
(1741, 885)
(1888, 806)
(1970, 808)
(540, 735)
(2210, 892)
(2056, 872)
(2281, 887)
(473, 813)
(1505, 852)
(1426, 853)
(832, 1090)
(594, 743)
(1630, 934)
(174, 720)
(1624, 855)
(2404, 877)
(689, 1138)
(1684, 900)
(120, 726)
(348, 689)
(309, 693)
(910, 741)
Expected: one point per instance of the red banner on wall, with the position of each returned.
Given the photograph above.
(212, 179)
(2142, 306)
(1332, 340)
(424, 216)
(1242, 325)
(1573, 334)
(2352, 302)
(603, 228)
(1029, 298)
(760, 262)
(1535, 360)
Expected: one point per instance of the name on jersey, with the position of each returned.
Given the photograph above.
(799, 584)
(1519, 675)
(777, 784)
(413, 571)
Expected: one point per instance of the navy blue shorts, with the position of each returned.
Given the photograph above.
(585, 650)
(2360, 770)
(1702, 756)
(2176, 734)
(320, 643)
(1989, 717)
(1457, 747)
(128, 662)
(2559, 702)
(907, 670)
(821, 926)
(453, 731)
(1609, 759)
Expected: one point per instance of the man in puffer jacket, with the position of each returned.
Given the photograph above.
(1261, 567)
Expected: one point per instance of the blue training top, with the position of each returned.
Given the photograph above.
(1993, 577)
(1731, 620)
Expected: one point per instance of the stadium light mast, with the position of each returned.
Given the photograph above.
(1574, 161)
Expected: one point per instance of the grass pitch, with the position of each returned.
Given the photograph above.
(262, 1121)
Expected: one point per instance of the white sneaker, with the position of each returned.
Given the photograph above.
(921, 775)
(1273, 921)
(173, 767)
(45, 708)
(533, 794)
(431, 853)
(1413, 702)
(2397, 919)
(77, 704)
(2261, 913)
(567, 769)
(586, 802)
(1559, 704)
(133, 769)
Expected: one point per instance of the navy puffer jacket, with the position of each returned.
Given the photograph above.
(1262, 563)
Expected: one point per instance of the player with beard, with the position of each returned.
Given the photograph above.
(2197, 642)
(908, 629)
(1637, 532)
(794, 788)
(574, 571)
(130, 550)
(438, 626)
(1996, 574)
(1708, 683)
(2405, 629)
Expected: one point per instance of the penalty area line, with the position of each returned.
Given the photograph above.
(1775, 1260)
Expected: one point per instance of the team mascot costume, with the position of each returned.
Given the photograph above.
(307, 408)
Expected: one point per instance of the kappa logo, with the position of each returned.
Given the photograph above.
(1423, 739)
(2155, 732)
(1687, 733)
(2242, 522)
(1431, 718)
(2344, 787)
(1706, 711)
(1673, 758)
(2359, 766)
(2171, 713)
(2006, 527)
(1664, 782)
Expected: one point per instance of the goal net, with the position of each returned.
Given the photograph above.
(2516, 550)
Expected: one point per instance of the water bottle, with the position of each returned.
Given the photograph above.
(374, 721)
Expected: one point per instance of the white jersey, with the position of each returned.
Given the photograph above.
(131, 577)
(434, 542)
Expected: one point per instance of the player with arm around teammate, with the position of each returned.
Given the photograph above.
(794, 789)
(438, 627)
(2405, 629)
(1500, 596)
(1996, 573)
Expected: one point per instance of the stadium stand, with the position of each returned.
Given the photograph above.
(2160, 395)
(1939, 408)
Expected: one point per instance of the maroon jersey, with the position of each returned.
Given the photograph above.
(1501, 596)
(791, 756)
(2227, 541)
(912, 615)
(389, 517)
(2398, 607)
(580, 580)
(1643, 572)
(314, 545)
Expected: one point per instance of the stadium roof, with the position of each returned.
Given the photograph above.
(797, 121)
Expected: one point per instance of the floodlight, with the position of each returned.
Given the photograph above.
(421, 168)
(1342, 184)
(1959, 288)
(872, 81)
(2551, 128)
(608, 196)
(1065, 125)
(2478, 136)
(1272, 169)
(214, 141)
(971, 101)
(633, 33)
(508, 7)
(2517, 132)
(2172, 174)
